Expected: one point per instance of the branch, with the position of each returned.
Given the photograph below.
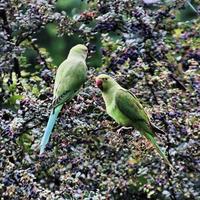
(16, 67)
(36, 48)
(26, 35)
(5, 23)
(23, 37)
(178, 83)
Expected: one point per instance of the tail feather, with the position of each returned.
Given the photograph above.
(160, 152)
(192, 7)
(49, 128)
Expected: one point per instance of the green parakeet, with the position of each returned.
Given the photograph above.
(126, 110)
(70, 76)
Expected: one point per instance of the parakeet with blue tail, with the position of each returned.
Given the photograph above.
(70, 76)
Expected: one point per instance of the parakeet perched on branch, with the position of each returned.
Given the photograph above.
(70, 76)
(126, 110)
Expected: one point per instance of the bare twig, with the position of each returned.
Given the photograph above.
(36, 48)
(178, 83)
(17, 67)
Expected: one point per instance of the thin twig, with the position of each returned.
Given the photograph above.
(26, 36)
(17, 67)
(178, 83)
(36, 48)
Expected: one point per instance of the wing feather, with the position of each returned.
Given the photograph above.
(69, 78)
(130, 106)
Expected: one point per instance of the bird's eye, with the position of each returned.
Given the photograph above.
(105, 79)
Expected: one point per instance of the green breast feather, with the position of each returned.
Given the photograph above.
(118, 116)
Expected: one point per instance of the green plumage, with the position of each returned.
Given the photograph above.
(125, 109)
(70, 76)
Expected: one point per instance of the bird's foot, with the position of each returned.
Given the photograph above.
(123, 128)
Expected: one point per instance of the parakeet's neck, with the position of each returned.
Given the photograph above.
(77, 55)
(109, 94)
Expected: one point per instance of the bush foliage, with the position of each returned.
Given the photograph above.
(149, 51)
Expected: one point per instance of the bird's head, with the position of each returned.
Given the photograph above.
(105, 82)
(80, 49)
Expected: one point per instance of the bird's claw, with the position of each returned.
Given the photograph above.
(123, 128)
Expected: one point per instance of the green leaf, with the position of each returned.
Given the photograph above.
(25, 141)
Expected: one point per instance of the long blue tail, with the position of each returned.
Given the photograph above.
(192, 7)
(49, 128)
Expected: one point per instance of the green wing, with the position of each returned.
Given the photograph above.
(130, 106)
(69, 78)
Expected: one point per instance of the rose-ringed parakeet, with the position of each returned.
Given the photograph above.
(70, 76)
(126, 110)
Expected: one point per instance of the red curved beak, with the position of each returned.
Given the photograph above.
(99, 83)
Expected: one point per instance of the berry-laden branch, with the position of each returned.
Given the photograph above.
(16, 66)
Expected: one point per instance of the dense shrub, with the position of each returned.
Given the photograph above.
(148, 51)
